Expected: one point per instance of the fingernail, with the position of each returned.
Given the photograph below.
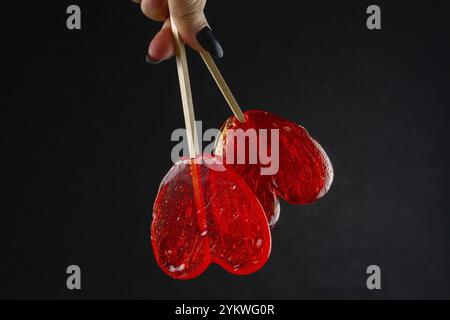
(209, 42)
(149, 60)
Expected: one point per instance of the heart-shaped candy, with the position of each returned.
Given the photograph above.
(205, 213)
(304, 171)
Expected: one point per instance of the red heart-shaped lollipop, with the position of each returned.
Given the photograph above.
(206, 213)
(304, 173)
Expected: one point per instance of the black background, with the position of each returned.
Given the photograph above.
(86, 128)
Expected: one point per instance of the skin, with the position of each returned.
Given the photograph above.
(188, 16)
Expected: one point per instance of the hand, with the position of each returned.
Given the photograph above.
(191, 22)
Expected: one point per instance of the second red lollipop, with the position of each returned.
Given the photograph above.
(304, 174)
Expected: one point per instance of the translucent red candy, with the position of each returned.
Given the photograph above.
(305, 172)
(205, 213)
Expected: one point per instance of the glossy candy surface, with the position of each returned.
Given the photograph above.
(305, 173)
(205, 213)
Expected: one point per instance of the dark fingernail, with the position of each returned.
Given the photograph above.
(149, 60)
(209, 42)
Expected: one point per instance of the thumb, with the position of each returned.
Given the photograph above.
(191, 22)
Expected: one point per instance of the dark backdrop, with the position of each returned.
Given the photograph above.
(86, 130)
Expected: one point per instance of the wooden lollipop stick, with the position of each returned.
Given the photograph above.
(186, 94)
(222, 85)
